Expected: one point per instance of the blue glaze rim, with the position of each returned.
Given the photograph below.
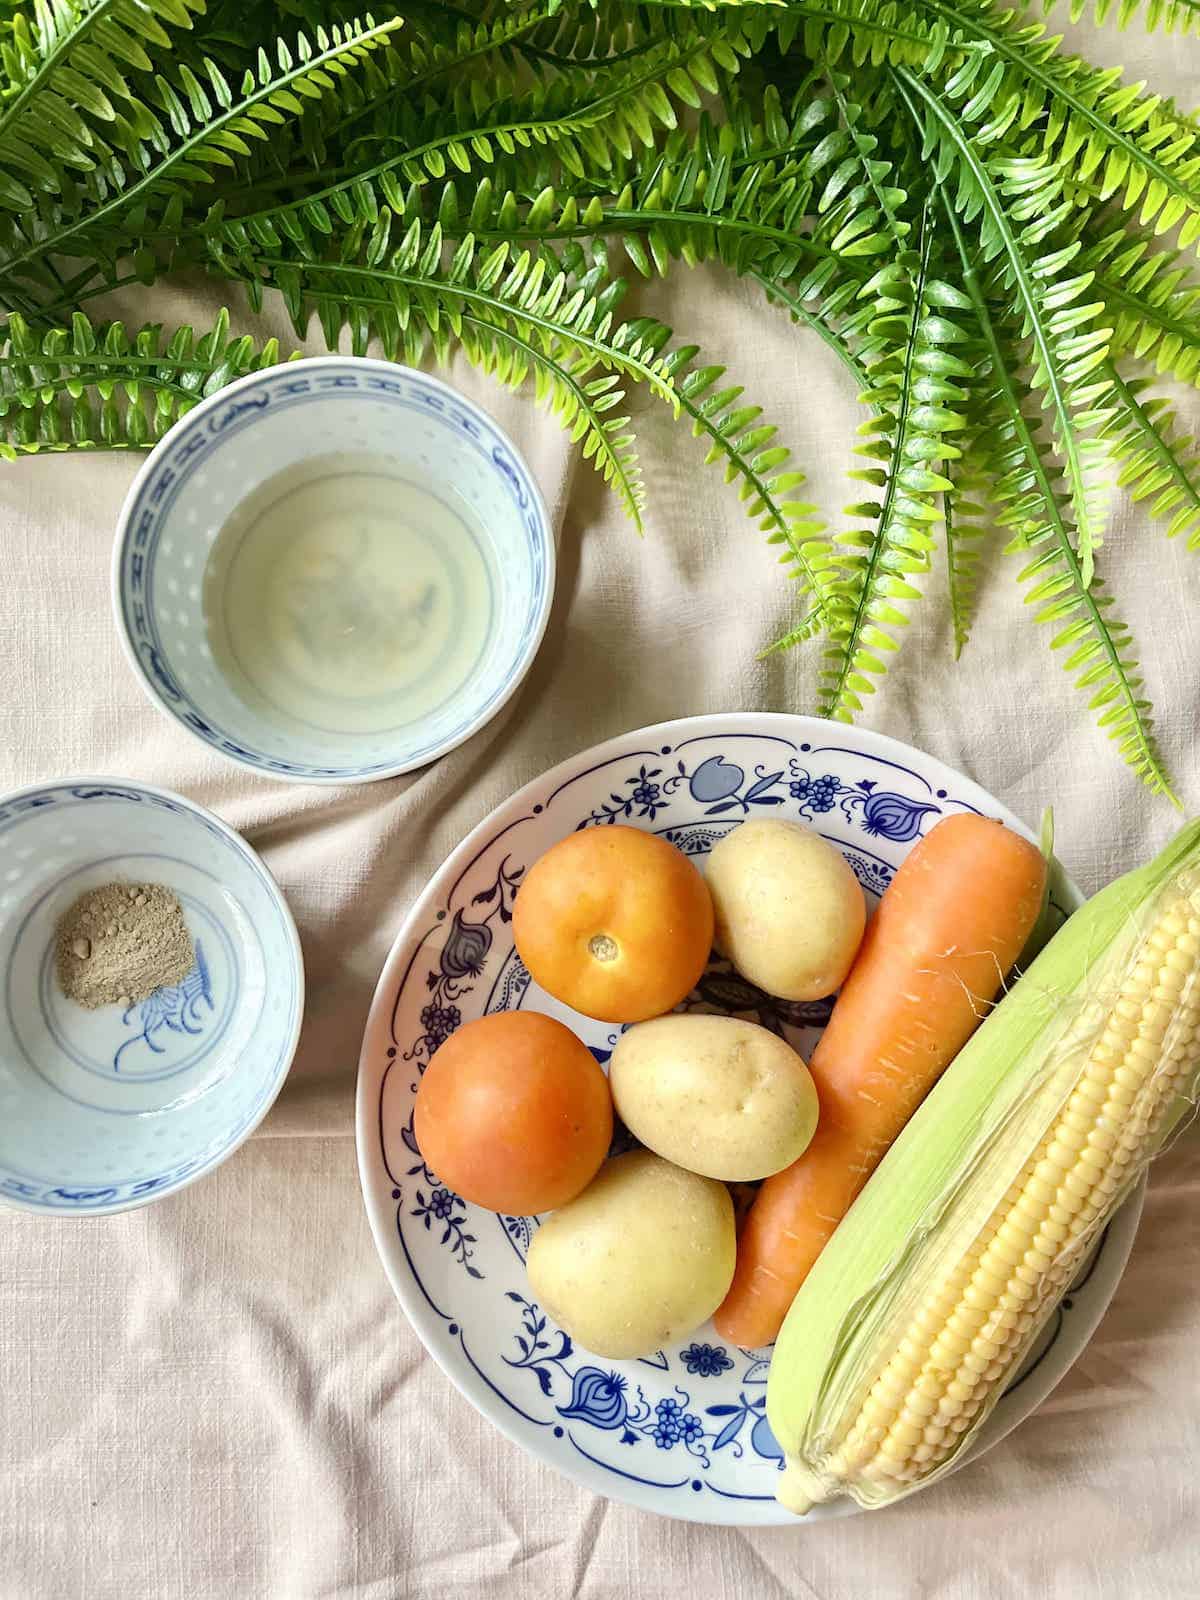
(147, 504)
(28, 1192)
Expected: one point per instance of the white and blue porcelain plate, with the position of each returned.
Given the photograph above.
(683, 1432)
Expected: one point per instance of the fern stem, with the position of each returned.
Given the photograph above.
(800, 312)
(583, 189)
(642, 220)
(88, 371)
(568, 62)
(959, 614)
(78, 292)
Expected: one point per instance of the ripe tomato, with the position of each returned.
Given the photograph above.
(614, 922)
(514, 1114)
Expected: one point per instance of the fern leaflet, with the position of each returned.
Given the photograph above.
(1156, 462)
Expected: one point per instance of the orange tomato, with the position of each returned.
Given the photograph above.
(615, 923)
(514, 1114)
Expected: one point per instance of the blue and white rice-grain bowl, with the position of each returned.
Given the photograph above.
(108, 1109)
(169, 597)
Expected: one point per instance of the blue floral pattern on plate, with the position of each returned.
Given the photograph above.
(722, 788)
(606, 1399)
(685, 1431)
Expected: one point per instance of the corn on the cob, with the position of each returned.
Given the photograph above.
(935, 1286)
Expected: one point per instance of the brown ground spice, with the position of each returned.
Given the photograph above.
(119, 943)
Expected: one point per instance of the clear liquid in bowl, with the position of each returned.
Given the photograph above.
(347, 596)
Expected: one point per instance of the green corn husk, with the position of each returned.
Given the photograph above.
(938, 1194)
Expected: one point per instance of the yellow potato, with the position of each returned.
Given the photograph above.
(716, 1095)
(789, 911)
(640, 1259)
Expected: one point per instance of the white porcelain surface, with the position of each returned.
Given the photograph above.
(232, 443)
(683, 1433)
(102, 1110)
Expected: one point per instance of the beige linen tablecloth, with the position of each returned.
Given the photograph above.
(219, 1397)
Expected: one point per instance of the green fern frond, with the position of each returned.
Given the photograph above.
(512, 316)
(469, 47)
(572, 37)
(733, 193)
(1152, 302)
(708, 195)
(1014, 203)
(1099, 653)
(821, 319)
(860, 206)
(756, 461)
(1156, 461)
(1098, 646)
(1139, 152)
(862, 31)
(589, 124)
(669, 222)
(195, 127)
(1005, 72)
(99, 387)
(917, 396)
(66, 103)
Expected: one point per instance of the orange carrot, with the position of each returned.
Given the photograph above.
(950, 925)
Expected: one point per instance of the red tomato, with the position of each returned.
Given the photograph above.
(615, 923)
(514, 1114)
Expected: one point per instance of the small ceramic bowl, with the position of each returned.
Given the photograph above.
(108, 1109)
(174, 595)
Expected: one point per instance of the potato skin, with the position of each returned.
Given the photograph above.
(637, 1261)
(789, 911)
(716, 1095)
